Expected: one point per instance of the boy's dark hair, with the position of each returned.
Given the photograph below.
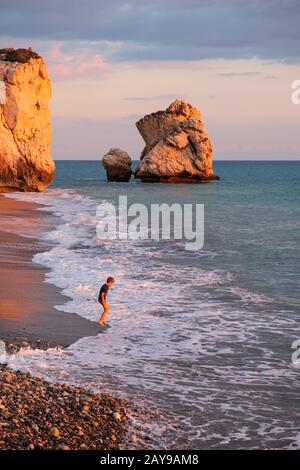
(110, 279)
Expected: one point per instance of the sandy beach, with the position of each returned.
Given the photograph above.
(49, 416)
(27, 315)
(149, 235)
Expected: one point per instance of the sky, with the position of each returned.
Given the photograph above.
(112, 62)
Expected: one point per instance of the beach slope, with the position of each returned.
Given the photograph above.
(27, 313)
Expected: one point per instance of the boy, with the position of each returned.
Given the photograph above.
(102, 299)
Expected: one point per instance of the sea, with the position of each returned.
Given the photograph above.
(203, 343)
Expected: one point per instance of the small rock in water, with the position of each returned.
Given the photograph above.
(117, 163)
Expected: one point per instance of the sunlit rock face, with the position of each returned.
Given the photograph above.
(178, 148)
(25, 126)
(117, 163)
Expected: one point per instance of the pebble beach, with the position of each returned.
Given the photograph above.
(35, 414)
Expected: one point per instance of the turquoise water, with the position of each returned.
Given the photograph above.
(252, 218)
(203, 339)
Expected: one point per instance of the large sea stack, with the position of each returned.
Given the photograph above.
(25, 127)
(178, 148)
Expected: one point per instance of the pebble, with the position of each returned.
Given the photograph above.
(35, 414)
(8, 378)
(64, 447)
(54, 432)
(117, 416)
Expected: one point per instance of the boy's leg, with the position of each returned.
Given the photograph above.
(102, 320)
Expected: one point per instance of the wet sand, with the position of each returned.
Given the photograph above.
(35, 414)
(27, 313)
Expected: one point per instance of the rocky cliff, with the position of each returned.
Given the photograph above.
(178, 148)
(25, 128)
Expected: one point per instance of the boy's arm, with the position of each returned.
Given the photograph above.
(103, 298)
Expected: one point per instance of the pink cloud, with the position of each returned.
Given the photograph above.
(57, 55)
(81, 63)
(95, 64)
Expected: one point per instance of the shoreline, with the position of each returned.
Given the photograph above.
(27, 313)
(36, 414)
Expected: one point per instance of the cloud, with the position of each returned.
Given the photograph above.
(81, 63)
(238, 74)
(152, 98)
(163, 30)
(270, 77)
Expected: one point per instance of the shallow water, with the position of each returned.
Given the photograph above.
(201, 339)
